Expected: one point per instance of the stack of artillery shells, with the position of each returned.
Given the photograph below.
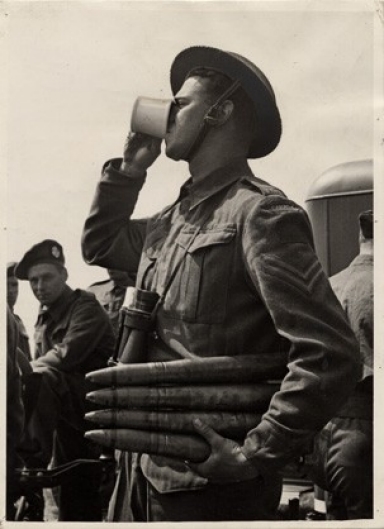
(151, 406)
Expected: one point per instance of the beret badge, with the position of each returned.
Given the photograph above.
(55, 252)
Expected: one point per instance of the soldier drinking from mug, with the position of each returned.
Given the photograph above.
(233, 262)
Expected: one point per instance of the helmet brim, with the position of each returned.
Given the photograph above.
(252, 80)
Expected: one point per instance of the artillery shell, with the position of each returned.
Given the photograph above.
(254, 398)
(219, 369)
(186, 447)
(225, 423)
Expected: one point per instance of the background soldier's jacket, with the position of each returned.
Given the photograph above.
(353, 287)
(111, 297)
(250, 282)
(15, 409)
(74, 334)
(23, 337)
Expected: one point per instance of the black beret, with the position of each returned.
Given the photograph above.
(47, 251)
(366, 223)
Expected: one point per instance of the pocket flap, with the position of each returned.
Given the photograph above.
(206, 238)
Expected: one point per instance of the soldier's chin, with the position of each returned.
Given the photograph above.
(172, 152)
(43, 300)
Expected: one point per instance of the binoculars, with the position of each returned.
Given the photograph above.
(136, 322)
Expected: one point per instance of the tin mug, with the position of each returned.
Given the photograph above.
(150, 116)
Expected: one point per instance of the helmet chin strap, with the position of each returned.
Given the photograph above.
(209, 120)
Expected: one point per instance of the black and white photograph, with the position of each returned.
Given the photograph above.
(193, 326)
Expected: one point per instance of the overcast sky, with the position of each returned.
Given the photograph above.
(75, 69)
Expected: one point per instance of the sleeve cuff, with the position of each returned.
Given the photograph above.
(113, 167)
(271, 450)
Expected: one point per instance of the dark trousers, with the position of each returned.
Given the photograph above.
(343, 465)
(58, 414)
(248, 500)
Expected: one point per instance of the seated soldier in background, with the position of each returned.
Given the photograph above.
(73, 335)
(343, 450)
(112, 293)
(12, 295)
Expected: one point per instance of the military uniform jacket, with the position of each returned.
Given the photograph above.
(354, 288)
(250, 281)
(15, 408)
(74, 335)
(111, 297)
(23, 337)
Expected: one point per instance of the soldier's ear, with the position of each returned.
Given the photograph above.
(218, 115)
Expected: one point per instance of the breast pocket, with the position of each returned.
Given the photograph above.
(200, 289)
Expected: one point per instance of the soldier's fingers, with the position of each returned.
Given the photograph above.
(207, 432)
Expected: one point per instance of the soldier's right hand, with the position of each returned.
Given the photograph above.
(140, 151)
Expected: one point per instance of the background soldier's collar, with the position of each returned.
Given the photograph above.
(59, 306)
